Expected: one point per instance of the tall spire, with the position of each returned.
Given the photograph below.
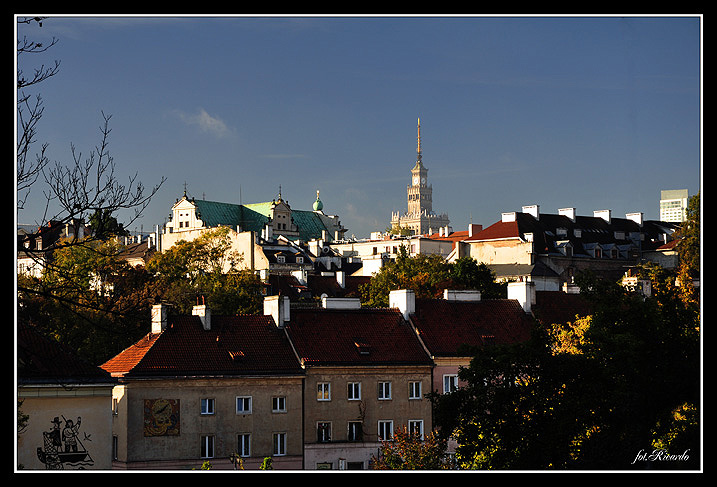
(418, 148)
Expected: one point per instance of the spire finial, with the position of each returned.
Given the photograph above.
(418, 149)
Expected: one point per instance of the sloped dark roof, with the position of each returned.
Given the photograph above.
(552, 307)
(42, 360)
(593, 230)
(367, 336)
(446, 327)
(235, 345)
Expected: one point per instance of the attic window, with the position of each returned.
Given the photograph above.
(236, 354)
(280, 259)
(362, 348)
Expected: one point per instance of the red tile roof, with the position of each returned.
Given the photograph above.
(354, 337)
(446, 326)
(235, 345)
(497, 231)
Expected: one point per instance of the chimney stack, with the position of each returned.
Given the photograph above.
(473, 229)
(524, 293)
(404, 300)
(604, 214)
(159, 317)
(533, 210)
(205, 315)
(279, 308)
(461, 295)
(569, 212)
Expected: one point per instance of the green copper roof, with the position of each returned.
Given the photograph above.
(253, 217)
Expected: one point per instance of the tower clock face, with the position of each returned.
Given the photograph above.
(415, 180)
(423, 180)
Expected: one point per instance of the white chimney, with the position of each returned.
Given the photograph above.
(604, 214)
(205, 315)
(637, 217)
(523, 292)
(473, 229)
(569, 212)
(461, 295)
(279, 308)
(404, 300)
(507, 217)
(340, 303)
(159, 317)
(533, 210)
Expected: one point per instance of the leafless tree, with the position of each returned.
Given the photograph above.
(80, 188)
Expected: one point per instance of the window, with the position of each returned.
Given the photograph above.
(244, 444)
(415, 427)
(244, 405)
(207, 406)
(323, 391)
(354, 391)
(355, 432)
(280, 259)
(299, 260)
(278, 404)
(450, 383)
(384, 390)
(207, 447)
(323, 432)
(279, 441)
(115, 406)
(115, 447)
(414, 390)
(385, 430)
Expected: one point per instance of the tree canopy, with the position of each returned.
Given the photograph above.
(428, 275)
(590, 394)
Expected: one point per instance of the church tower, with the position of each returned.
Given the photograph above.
(419, 217)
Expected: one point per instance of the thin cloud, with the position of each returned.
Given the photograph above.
(205, 122)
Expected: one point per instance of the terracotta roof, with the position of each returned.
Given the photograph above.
(497, 230)
(366, 336)
(235, 345)
(42, 360)
(446, 326)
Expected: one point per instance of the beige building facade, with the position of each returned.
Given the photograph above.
(180, 424)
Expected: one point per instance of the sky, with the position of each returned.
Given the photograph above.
(586, 112)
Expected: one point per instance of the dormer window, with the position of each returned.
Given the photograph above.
(299, 260)
(281, 259)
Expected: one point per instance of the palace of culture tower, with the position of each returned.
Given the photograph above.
(419, 218)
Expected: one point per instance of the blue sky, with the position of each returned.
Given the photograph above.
(589, 112)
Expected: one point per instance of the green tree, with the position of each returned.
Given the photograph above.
(467, 273)
(206, 267)
(428, 275)
(89, 299)
(408, 451)
(425, 274)
(689, 233)
(399, 230)
(588, 395)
